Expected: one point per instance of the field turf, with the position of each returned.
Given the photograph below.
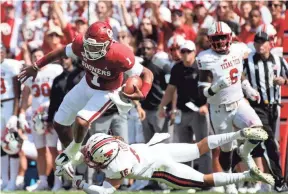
(123, 192)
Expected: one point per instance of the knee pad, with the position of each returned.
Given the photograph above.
(3, 153)
(225, 160)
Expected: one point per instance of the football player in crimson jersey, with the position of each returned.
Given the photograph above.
(105, 62)
(157, 161)
(222, 83)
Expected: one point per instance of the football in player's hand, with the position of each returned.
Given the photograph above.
(130, 83)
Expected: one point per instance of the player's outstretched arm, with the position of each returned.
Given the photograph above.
(31, 71)
(109, 186)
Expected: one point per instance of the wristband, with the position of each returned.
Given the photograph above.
(41, 63)
(208, 92)
(145, 88)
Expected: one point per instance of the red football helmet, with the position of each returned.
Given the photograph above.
(220, 37)
(97, 39)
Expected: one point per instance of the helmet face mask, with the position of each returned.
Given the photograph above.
(220, 43)
(94, 51)
(220, 37)
(100, 150)
(97, 39)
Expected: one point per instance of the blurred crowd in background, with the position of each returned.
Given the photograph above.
(156, 31)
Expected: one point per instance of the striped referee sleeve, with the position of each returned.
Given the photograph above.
(284, 68)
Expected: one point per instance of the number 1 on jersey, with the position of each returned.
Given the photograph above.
(95, 80)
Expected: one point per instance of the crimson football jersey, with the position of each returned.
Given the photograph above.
(105, 73)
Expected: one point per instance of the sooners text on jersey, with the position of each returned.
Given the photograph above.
(105, 73)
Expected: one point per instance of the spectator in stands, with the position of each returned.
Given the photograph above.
(202, 41)
(265, 13)
(9, 29)
(70, 30)
(53, 39)
(246, 8)
(146, 28)
(248, 30)
(104, 10)
(124, 37)
(176, 26)
(188, 13)
(225, 13)
(202, 19)
(275, 8)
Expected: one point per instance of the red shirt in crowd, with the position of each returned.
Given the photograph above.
(247, 34)
(169, 30)
(279, 27)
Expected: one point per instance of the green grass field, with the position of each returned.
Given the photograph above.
(79, 192)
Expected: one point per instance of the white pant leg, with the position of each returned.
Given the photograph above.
(178, 152)
(177, 175)
(221, 122)
(6, 113)
(96, 106)
(73, 102)
(246, 116)
(51, 139)
(39, 140)
(29, 149)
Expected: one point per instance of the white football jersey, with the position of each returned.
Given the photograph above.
(133, 161)
(224, 65)
(9, 69)
(40, 88)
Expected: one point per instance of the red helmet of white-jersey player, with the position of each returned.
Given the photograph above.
(220, 37)
(97, 40)
(11, 142)
(100, 150)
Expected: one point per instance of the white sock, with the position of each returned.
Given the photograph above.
(222, 178)
(14, 168)
(43, 178)
(19, 180)
(57, 180)
(73, 148)
(4, 169)
(215, 141)
(248, 147)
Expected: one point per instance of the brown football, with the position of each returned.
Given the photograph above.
(131, 82)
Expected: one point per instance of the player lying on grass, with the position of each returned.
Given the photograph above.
(159, 161)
